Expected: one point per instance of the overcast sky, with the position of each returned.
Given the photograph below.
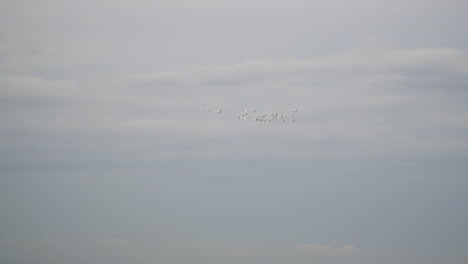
(105, 157)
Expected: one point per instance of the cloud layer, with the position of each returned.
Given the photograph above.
(105, 157)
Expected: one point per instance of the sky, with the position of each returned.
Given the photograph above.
(105, 156)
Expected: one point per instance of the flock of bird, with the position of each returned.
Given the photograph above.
(253, 115)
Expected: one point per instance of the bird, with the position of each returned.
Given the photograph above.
(295, 110)
(208, 109)
(218, 111)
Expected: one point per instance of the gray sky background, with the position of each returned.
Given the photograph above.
(104, 157)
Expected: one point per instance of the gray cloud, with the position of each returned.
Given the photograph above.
(105, 157)
(372, 108)
(119, 37)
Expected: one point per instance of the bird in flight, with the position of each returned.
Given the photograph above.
(253, 116)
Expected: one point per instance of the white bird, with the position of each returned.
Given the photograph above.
(208, 109)
(295, 110)
(253, 110)
(218, 111)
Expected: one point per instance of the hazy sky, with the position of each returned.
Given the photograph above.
(105, 158)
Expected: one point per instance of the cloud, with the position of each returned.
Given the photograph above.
(370, 101)
(359, 62)
(52, 250)
(102, 145)
(36, 88)
(320, 248)
(118, 242)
